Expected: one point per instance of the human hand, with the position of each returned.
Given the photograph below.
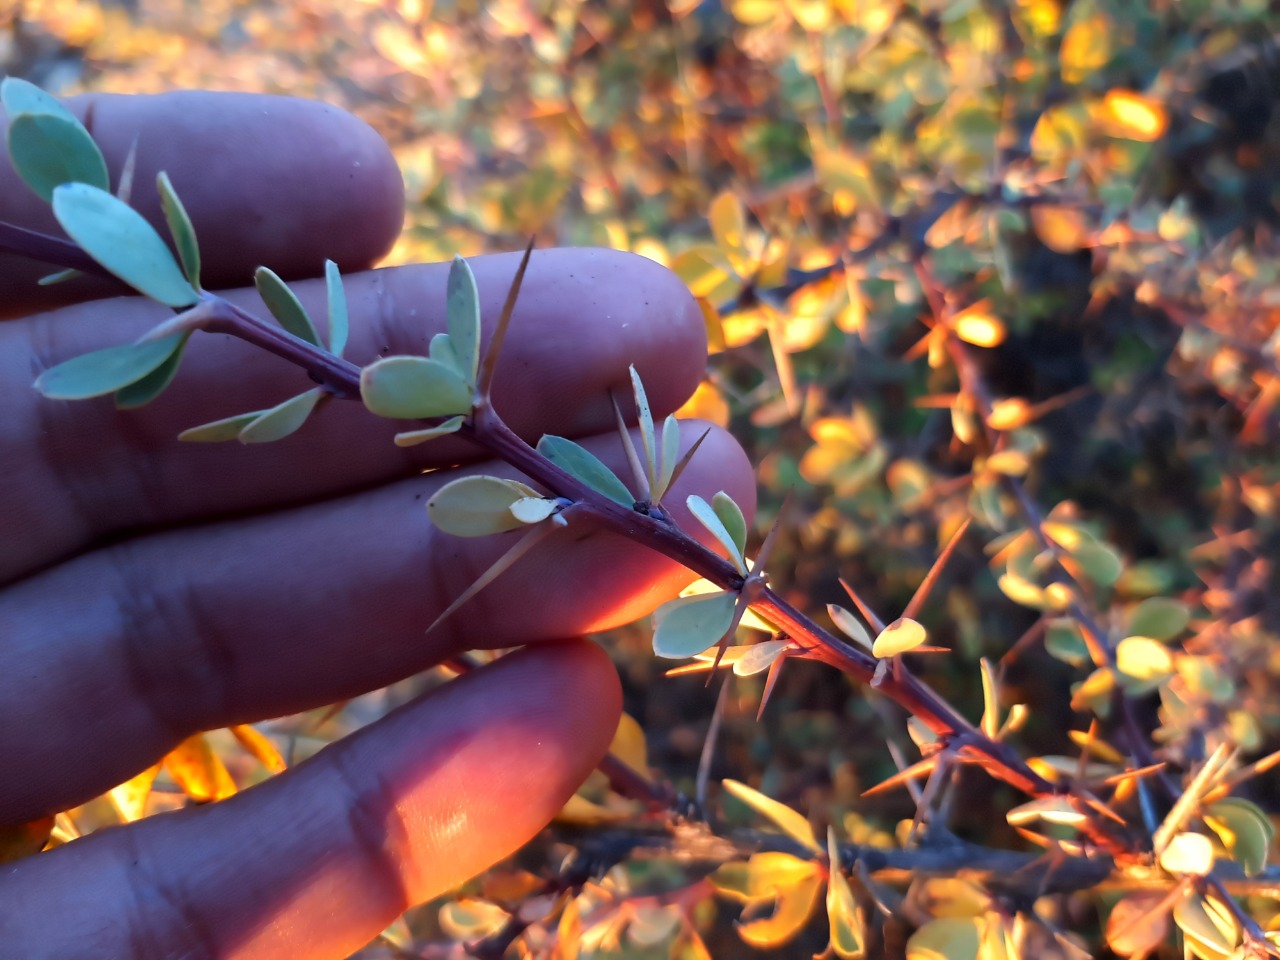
(154, 589)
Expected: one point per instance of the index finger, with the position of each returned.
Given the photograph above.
(274, 180)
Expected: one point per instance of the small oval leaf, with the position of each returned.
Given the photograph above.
(118, 237)
(686, 626)
(462, 314)
(143, 391)
(901, 636)
(412, 438)
(849, 625)
(48, 151)
(23, 97)
(792, 823)
(106, 371)
(730, 515)
(477, 506)
(413, 387)
(534, 509)
(759, 657)
(586, 466)
(282, 419)
(339, 318)
(285, 305)
(180, 228)
(220, 431)
(707, 516)
(1159, 617)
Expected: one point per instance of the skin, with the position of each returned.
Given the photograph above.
(152, 589)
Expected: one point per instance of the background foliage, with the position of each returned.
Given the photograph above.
(1092, 188)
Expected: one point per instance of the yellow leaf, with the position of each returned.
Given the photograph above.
(1143, 662)
(629, 746)
(762, 876)
(1124, 113)
(198, 771)
(792, 823)
(729, 227)
(130, 798)
(1086, 48)
(848, 927)
(259, 746)
(901, 636)
(1138, 924)
(1061, 229)
(1209, 926)
(1009, 463)
(707, 403)
(1009, 414)
(795, 905)
(951, 938)
(812, 15)
(978, 326)
(469, 919)
(1188, 853)
(755, 12)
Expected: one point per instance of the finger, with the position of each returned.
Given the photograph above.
(317, 861)
(273, 180)
(122, 653)
(76, 471)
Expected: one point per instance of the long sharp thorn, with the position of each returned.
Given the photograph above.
(931, 578)
(918, 769)
(775, 670)
(500, 332)
(684, 461)
(633, 457)
(709, 747)
(867, 613)
(739, 608)
(518, 549)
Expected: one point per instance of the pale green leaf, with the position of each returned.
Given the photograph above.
(1208, 924)
(791, 823)
(686, 626)
(469, 919)
(1099, 562)
(282, 419)
(462, 313)
(106, 371)
(901, 636)
(534, 509)
(759, 657)
(946, 938)
(413, 387)
(118, 237)
(848, 926)
(47, 151)
(709, 518)
(849, 625)
(477, 506)
(411, 438)
(647, 437)
(59, 276)
(1063, 640)
(23, 97)
(1244, 830)
(670, 455)
(586, 466)
(143, 391)
(730, 515)
(285, 306)
(220, 431)
(183, 233)
(441, 349)
(339, 319)
(1159, 617)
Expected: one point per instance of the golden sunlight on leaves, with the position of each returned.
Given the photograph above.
(198, 771)
(1124, 113)
(1062, 229)
(976, 324)
(1086, 47)
(901, 636)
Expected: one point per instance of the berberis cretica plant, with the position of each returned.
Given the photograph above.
(1172, 842)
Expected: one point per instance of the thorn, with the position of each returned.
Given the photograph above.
(487, 368)
(709, 746)
(684, 461)
(867, 613)
(633, 457)
(771, 538)
(518, 549)
(931, 578)
(918, 769)
(775, 671)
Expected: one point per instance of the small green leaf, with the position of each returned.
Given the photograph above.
(220, 431)
(849, 625)
(23, 97)
(848, 926)
(48, 151)
(792, 823)
(339, 319)
(477, 506)
(670, 455)
(709, 518)
(586, 466)
(647, 436)
(686, 626)
(1063, 640)
(413, 387)
(60, 276)
(1159, 617)
(118, 237)
(143, 391)
(1244, 830)
(730, 515)
(282, 419)
(901, 636)
(759, 657)
(412, 438)
(1100, 563)
(285, 306)
(534, 509)
(183, 233)
(947, 938)
(106, 371)
(462, 313)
